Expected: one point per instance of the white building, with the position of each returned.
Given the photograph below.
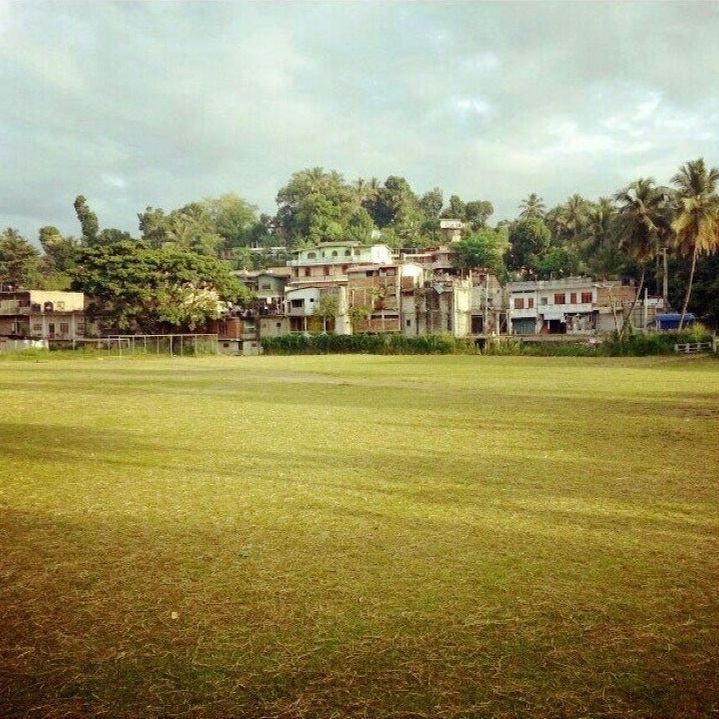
(572, 305)
(328, 262)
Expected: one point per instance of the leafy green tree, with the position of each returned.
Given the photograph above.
(135, 287)
(19, 260)
(154, 226)
(532, 207)
(696, 224)
(529, 241)
(558, 262)
(317, 206)
(60, 252)
(233, 218)
(88, 220)
(477, 212)
(431, 203)
(191, 228)
(483, 249)
(456, 208)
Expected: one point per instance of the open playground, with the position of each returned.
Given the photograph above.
(359, 536)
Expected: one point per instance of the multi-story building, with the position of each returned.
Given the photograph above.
(572, 305)
(374, 295)
(327, 264)
(439, 307)
(42, 315)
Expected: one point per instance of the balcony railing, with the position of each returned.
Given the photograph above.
(6, 310)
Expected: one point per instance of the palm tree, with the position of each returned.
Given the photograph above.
(696, 222)
(642, 224)
(568, 220)
(533, 206)
(598, 246)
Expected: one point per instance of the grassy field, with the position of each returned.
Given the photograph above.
(359, 536)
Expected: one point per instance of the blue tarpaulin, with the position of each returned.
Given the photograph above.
(670, 321)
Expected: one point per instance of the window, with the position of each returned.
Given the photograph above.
(326, 270)
(560, 298)
(344, 269)
(530, 302)
(543, 301)
(519, 303)
(334, 253)
(369, 273)
(307, 272)
(312, 299)
(64, 328)
(51, 328)
(278, 325)
(409, 323)
(573, 298)
(297, 304)
(37, 327)
(587, 298)
(311, 255)
(265, 286)
(348, 253)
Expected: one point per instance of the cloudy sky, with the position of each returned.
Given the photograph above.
(136, 104)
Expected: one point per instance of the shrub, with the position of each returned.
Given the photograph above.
(363, 344)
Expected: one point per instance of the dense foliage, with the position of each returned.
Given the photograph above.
(138, 288)
(665, 237)
(361, 344)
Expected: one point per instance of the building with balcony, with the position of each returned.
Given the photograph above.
(327, 264)
(42, 315)
(374, 295)
(572, 305)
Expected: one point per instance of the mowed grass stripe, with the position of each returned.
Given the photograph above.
(359, 536)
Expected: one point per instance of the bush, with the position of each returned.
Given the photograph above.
(364, 344)
(655, 343)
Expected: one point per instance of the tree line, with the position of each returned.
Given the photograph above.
(664, 236)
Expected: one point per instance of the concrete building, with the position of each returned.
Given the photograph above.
(451, 229)
(439, 307)
(374, 295)
(306, 307)
(328, 263)
(42, 315)
(267, 285)
(572, 305)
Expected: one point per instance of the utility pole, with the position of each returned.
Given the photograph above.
(665, 279)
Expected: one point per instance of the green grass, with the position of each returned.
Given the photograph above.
(359, 536)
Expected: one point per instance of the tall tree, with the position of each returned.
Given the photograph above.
(643, 221)
(532, 206)
(567, 221)
(88, 220)
(600, 250)
(318, 205)
(529, 241)
(233, 218)
(477, 212)
(19, 260)
(432, 202)
(696, 223)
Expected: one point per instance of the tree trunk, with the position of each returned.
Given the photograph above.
(628, 316)
(689, 288)
(665, 280)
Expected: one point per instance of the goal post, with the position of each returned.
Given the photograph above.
(173, 345)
